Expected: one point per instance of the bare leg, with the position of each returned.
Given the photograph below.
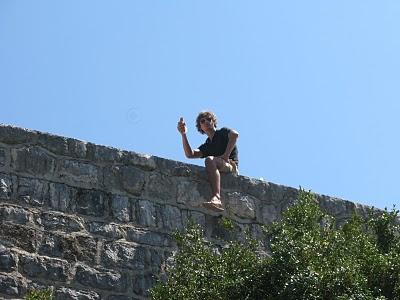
(213, 165)
(214, 178)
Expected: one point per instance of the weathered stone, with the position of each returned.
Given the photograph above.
(171, 217)
(143, 161)
(76, 148)
(125, 178)
(102, 154)
(148, 237)
(145, 213)
(100, 279)
(62, 197)
(161, 187)
(133, 180)
(12, 285)
(73, 248)
(59, 221)
(2, 158)
(15, 214)
(91, 202)
(33, 160)
(111, 230)
(181, 171)
(125, 255)
(269, 214)
(53, 143)
(69, 294)
(43, 267)
(120, 207)
(189, 194)
(5, 186)
(20, 236)
(15, 135)
(8, 261)
(142, 284)
(193, 217)
(241, 205)
(121, 297)
(80, 173)
(33, 191)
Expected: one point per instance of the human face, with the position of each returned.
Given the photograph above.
(206, 123)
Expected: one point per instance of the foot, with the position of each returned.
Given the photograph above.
(214, 204)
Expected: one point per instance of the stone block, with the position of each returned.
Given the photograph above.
(91, 203)
(133, 180)
(16, 214)
(161, 187)
(5, 186)
(12, 285)
(33, 160)
(44, 267)
(142, 284)
(269, 213)
(194, 217)
(108, 230)
(62, 197)
(148, 237)
(121, 208)
(8, 261)
(124, 255)
(20, 236)
(182, 171)
(171, 218)
(52, 221)
(124, 178)
(188, 193)
(70, 247)
(64, 293)
(142, 161)
(77, 148)
(242, 205)
(80, 173)
(15, 135)
(121, 297)
(103, 154)
(101, 279)
(53, 143)
(33, 191)
(3, 158)
(145, 213)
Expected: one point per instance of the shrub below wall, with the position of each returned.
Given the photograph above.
(311, 258)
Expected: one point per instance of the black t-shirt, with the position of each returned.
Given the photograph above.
(217, 146)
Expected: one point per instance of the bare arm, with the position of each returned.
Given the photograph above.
(196, 153)
(232, 136)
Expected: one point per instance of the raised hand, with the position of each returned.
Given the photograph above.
(182, 126)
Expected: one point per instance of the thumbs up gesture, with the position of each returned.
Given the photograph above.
(182, 126)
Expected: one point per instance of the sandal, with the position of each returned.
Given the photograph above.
(215, 206)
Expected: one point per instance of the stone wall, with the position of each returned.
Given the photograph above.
(94, 222)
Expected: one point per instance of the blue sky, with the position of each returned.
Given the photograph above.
(313, 87)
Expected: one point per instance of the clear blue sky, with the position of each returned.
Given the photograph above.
(313, 87)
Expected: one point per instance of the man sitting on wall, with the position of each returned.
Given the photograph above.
(219, 150)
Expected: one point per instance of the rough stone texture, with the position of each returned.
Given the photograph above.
(101, 279)
(94, 222)
(5, 186)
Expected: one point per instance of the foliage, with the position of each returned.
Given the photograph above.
(39, 295)
(311, 258)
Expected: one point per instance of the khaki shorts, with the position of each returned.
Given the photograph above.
(230, 167)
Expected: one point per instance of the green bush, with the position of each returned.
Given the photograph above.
(311, 258)
(39, 295)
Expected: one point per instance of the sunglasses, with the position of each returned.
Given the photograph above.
(202, 120)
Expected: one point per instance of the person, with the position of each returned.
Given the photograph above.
(219, 150)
